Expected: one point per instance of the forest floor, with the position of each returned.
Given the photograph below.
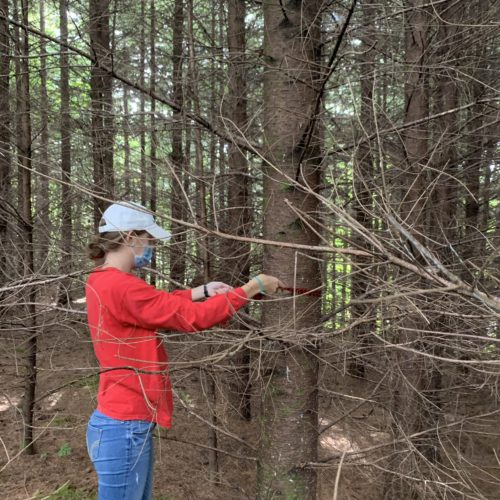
(61, 468)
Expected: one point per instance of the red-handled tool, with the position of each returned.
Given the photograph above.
(294, 291)
(302, 291)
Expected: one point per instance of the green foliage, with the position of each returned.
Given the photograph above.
(64, 450)
(287, 187)
(91, 383)
(293, 483)
(68, 492)
(64, 421)
(490, 349)
(185, 397)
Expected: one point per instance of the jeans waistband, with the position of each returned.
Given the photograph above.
(101, 416)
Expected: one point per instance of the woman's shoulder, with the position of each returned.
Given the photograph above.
(111, 285)
(111, 277)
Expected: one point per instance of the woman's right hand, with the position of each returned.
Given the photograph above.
(270, 284)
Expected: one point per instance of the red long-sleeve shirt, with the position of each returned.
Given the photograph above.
(124, 313)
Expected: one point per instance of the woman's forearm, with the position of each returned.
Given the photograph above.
(251, 288)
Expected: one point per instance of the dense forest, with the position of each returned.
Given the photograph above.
(349, 148)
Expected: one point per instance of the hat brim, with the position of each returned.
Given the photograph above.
(158, 232)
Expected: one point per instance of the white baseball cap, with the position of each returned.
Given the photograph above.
(130, 216)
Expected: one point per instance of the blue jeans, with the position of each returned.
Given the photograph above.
(122, 454)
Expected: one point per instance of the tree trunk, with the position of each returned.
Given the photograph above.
(178, 242)
(237, 262)
(236, 258)
(213, 380)
(201, 195)
(153, 138)
(43, 226)
(202, 243)
(408, 373)
(142, 118)
(126, 143)
(362, 280)
(66, 202)
(472, 172)
(5, 118)
(24, 155)
(289, 409)
(101, 85)
(441, 217)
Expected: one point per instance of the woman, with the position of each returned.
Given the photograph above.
(124, 313)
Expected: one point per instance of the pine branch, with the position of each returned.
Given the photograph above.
(240, 141)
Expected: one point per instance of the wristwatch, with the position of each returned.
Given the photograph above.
(205, 291)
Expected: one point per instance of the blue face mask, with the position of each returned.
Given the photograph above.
(145, 258)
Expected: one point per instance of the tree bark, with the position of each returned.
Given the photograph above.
(472, 168)
(153, 138)
(43, 226)
(201, 195)
(24, 157)
(101, 86)
(237, 257)
(142, 118)
(289, 408)
(441, 216)
(126, 142)
(5, 119)
(178, 242)
(364, 189)
(202, 243)
(236, 254)
(66, 202)
(408, 377)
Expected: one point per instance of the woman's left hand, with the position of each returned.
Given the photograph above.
(217, 288)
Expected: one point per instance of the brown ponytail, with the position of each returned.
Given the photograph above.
(102, 243)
